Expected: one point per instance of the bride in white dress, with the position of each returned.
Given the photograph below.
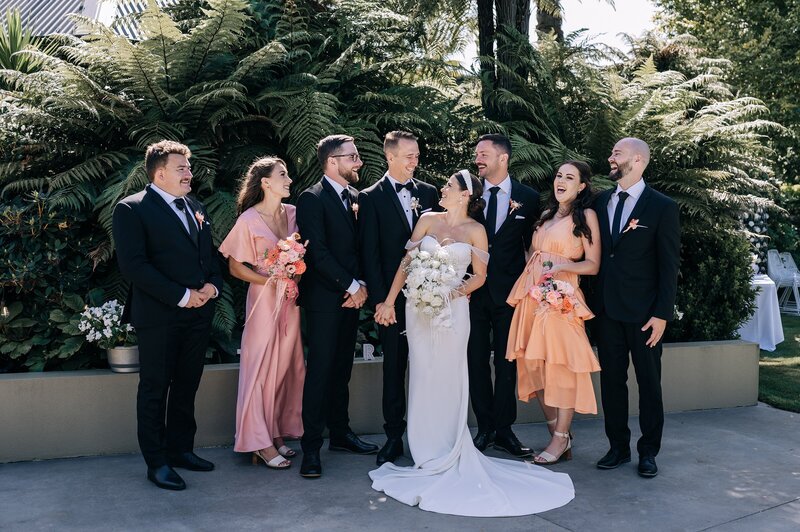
(449, 474)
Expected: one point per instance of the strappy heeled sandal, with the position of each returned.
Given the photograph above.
(286, 452)
(276, 462)
(545, 458)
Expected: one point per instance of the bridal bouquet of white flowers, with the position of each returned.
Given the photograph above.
(104, 325)
(431, 278)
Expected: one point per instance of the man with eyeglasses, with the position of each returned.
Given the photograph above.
(331, 293)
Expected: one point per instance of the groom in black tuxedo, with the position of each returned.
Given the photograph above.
(633, 298)
(389, 209)
(331, 292)
(164, 248)
(511, 210)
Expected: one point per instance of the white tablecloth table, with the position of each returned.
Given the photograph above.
(764, 327)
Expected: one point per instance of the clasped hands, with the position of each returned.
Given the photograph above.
(356, 300)
(198, 298)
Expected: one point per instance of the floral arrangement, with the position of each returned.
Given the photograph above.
(553, 294)
(513, 206)
(104, 325)
(431, 278)
(284, 262)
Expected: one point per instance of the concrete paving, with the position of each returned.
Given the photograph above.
(723, 470)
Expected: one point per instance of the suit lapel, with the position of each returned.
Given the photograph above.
(329, 192)
(158, 200)
(390, 193)
(641, 203)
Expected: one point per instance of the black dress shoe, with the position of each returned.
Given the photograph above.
(647, 466)
(512, 445)
(165, 478)
(613, 459)
(311, 466)
(391, 451)
(482, 440)
(189, 461)
(352, 444)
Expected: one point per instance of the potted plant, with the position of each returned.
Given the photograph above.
(104, 326)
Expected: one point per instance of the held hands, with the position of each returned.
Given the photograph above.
(356, 300)
(385, 314)
(658, 325)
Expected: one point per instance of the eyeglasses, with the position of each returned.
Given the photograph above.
(353, 156)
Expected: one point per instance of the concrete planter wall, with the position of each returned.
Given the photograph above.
(52, 415)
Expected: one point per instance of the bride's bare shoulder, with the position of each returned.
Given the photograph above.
(477, 234)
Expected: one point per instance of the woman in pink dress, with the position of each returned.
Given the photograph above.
(271, 370)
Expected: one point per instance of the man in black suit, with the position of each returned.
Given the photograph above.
(331, 292)
(164, 248)
(511, 210)
(633, 298)
(389, 209)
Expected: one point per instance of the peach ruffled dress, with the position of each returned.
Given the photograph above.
(551, 348)
(271, 366)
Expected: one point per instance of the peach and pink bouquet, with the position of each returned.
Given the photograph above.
(553, 294)
(283, 263)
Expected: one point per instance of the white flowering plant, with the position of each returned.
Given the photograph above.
(104, 326)
(431, 278)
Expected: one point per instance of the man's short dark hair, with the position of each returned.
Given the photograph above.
(157, 154)
(500, 141)
(393, 138)
(329, 146)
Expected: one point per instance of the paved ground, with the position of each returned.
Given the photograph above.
(722, 470)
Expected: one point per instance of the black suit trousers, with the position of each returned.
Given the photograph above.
(171, 358)
(615, 339)
(331, 342)
(495, 409)
(395, 363)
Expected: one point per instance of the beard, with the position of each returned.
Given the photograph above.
(621, 171)
(351, 176)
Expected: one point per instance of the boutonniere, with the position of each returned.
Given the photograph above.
(354, 206)
(634, 224)
(200, 217)
(415, 205)
(513, 206)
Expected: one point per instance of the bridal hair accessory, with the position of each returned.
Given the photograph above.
(467, 180)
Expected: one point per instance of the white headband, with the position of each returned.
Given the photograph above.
(467, 180)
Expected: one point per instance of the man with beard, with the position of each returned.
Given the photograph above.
(389, 209)
(510, 212)
(634, 297)
(331, 294)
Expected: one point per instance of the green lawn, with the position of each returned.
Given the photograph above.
(779, 375)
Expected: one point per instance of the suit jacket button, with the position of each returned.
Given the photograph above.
(612, 255)
(490, 246)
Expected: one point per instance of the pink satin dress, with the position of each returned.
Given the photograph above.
(271, 367)
(551, 347)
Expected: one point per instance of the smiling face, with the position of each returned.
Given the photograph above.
(621, 161)
(403, 160)
(175, 176)
(452, 194)
(567, 184)
(347, 162)
(492, 162)
(278, 183)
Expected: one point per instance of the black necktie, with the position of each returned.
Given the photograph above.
(621, 197)
(491, 212)
(346, 199)
(408, 186)
(180, 203)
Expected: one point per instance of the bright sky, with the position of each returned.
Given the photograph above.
(603, 21)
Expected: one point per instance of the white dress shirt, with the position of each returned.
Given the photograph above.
(503, 200)
(354, 286)
(634, 191)
(405, 198)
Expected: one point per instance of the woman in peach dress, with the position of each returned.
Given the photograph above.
(271, 369)
(554, 358)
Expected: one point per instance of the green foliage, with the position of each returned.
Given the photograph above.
(15, 42)
(44, 275)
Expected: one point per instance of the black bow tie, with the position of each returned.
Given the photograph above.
(408, 186)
